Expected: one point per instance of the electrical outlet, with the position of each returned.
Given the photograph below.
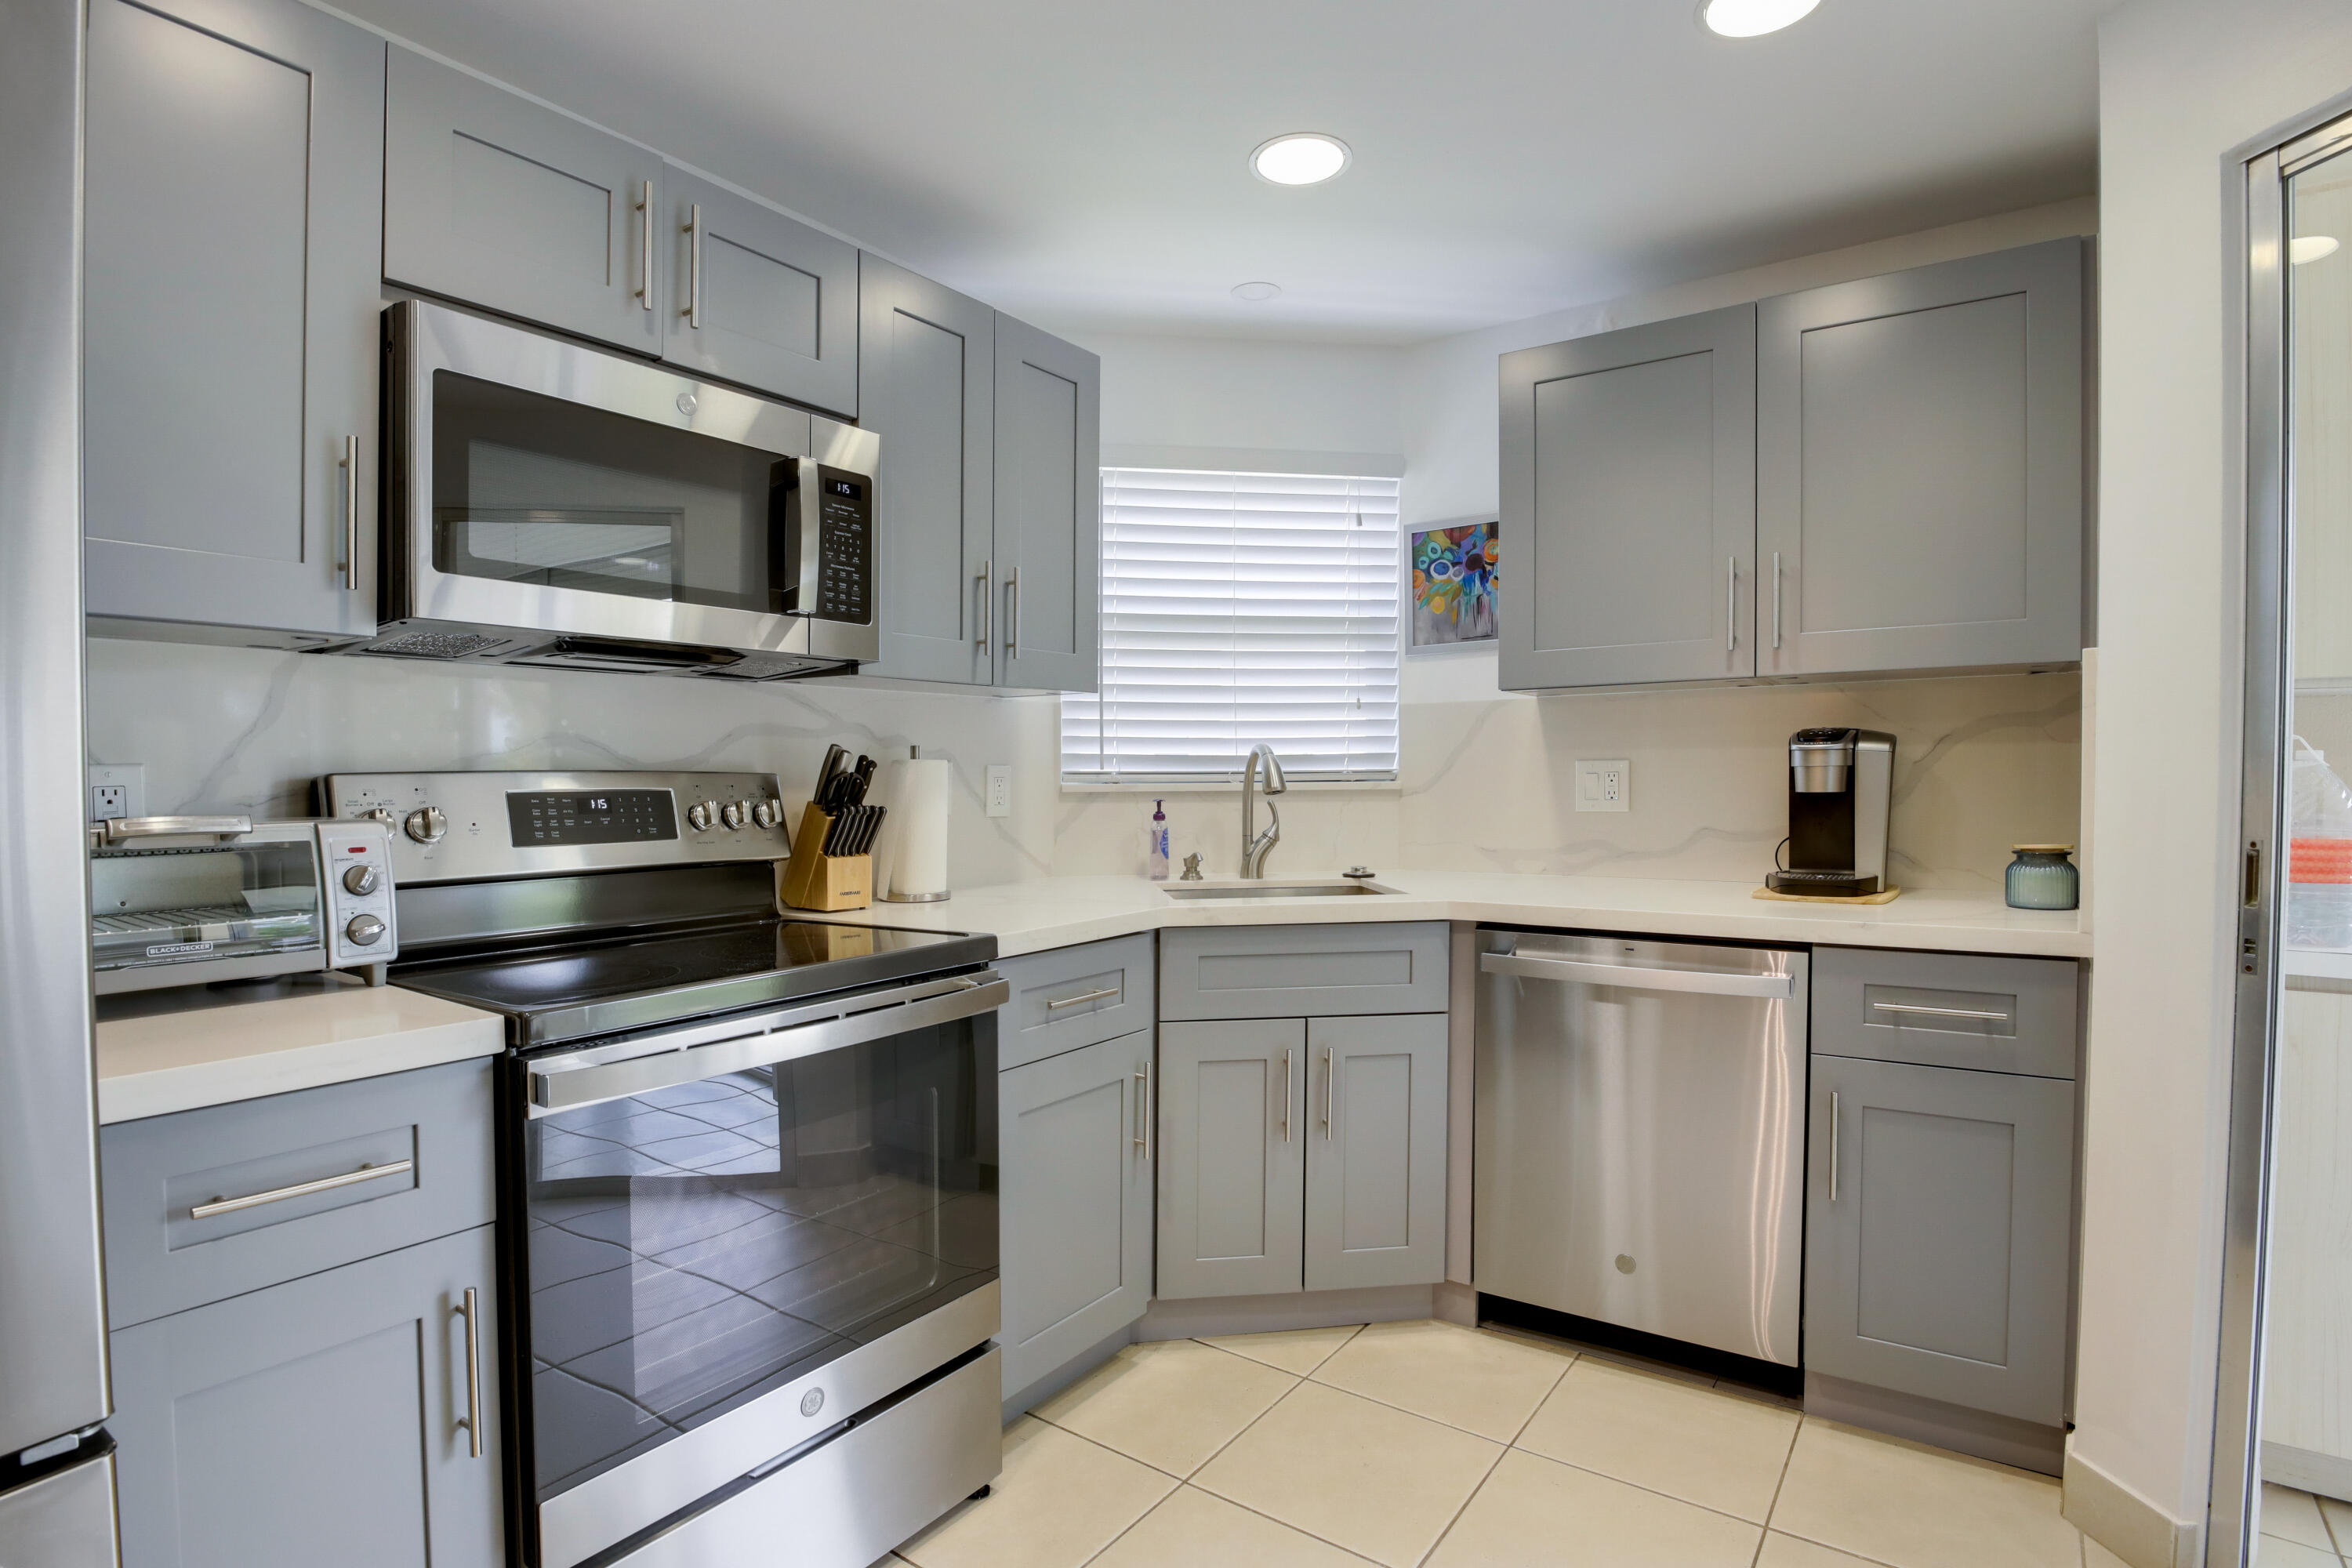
(1604, 786)
(117, 791)
(1000, 789)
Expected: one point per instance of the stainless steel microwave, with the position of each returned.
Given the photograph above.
(555, 505)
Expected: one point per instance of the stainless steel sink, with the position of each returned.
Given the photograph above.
(1336, 887)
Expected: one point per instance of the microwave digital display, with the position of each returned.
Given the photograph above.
(845, 488)
(544, 819)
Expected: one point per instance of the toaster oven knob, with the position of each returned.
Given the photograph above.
(365, 930)
(767, 812)
(426, 825)
(702, 815)
(733, 814)
(362, 880)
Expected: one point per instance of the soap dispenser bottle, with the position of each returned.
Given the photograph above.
(1158, 842)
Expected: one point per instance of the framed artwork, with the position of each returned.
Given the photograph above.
(1453, 588)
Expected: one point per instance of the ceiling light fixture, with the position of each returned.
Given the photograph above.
(2309, 248)
(1256, 291)
(1753, 19)
(1301, 158)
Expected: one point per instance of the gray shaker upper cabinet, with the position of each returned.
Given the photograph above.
(1048, 525)
(234, 172)
(928, 387)
(496, 201)
(1919, 468)
(1628, 505)
(757, 298)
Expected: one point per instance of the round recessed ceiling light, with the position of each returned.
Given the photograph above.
(2310, 247)
(1753, 19)
(1254, 291)
(1302, 158)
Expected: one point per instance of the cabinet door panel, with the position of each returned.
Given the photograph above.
(1940, 1266)
(315, 1421)
(927, 373)
(233, 178)
(492, 199)
(777, 300)
(1232, 1127)
(1919, 467)
(1048, 522)
(1376, 1156)
(1077, 1203)
(1628, 497)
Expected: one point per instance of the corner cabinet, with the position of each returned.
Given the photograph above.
(234, 172)
(1919, 486)
(1048, 522)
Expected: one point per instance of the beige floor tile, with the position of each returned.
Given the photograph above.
(2338, 1515)
(1193, 1529)
(1793, 1552)
(1718, 1451)
(1360, 1475)
(1480, 1382)
(1533, 1514)
(1921, 1508)
(1060, 1501)
(1298, 1350)
(2293, 1515)
(1170, 1403)
(2271, 1551)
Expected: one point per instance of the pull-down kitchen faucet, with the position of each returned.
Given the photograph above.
(1255, 844)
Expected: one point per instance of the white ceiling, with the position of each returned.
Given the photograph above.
(1085, 161)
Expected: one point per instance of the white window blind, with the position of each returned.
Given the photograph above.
(1239, 608)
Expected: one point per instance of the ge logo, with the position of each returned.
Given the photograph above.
(686, 404)
(812, 1401)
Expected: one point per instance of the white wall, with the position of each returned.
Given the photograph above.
(2182, 82)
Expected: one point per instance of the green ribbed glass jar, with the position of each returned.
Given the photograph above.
(2041, 877)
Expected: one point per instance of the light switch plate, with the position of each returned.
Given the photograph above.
(1000, 789)
(117, 791)
(1606, 785)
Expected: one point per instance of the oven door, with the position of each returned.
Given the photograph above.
(540, 486)
(739, 1233)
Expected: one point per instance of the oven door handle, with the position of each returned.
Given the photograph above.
(563, 1082)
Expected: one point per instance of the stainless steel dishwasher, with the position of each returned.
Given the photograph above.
(1641, 1135)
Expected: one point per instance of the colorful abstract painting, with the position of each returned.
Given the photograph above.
(1454, 584)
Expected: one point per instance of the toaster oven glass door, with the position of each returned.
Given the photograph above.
(537, 491)
(154, 906)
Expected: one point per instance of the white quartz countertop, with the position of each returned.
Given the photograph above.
(169, 1061)
(1060, 912)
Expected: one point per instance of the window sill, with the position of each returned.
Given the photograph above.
(1228, 786)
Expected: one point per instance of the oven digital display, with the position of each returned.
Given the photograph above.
(547, 818)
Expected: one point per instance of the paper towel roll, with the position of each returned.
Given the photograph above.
(920, 867)
(885, 793)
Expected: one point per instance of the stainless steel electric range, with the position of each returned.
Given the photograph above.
(747, 1170)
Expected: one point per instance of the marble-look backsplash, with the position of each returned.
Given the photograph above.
(243, 729)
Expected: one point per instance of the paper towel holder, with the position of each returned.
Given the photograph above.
(885, 895)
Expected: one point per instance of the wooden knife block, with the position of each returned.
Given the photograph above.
(813, 880)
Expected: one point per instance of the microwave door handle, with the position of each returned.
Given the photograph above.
(809, 504)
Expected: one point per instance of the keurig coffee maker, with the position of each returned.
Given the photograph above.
(1839, 784)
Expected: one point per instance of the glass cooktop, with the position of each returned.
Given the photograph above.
(636, 982)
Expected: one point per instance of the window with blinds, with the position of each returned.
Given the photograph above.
(1239, 608)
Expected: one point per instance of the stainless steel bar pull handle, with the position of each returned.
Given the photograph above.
(1287, 1059)
(1993, 1016)
(694, 265)
(986, 580)
(1834, 1144)
(646, 246)
(1058, 1003)
(302, 1189)
(351, 467)
(1730, 603)
(1143, 1109)
(1776, 599)
(1330, 1077)
(472, 1420)
(1013, 612)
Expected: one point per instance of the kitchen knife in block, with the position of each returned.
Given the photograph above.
(813, 880)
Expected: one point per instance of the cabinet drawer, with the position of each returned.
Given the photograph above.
(1073, 997)
(1951, 1010)
(177, 1236)
(1302, 971)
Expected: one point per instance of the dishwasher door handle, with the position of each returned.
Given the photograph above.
(1635, 977)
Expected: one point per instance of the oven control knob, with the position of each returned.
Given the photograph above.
(767, 812)
(362, 880)
(733, 814)
(365, 930)
(426, 825)
(702, 815)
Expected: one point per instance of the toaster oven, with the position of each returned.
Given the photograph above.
(185, 900)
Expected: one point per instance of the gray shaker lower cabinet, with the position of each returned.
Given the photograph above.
(1077, 1202)
(1376, 1158)
(1233, 1157)
(316, 1421)
(1937, 1233)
